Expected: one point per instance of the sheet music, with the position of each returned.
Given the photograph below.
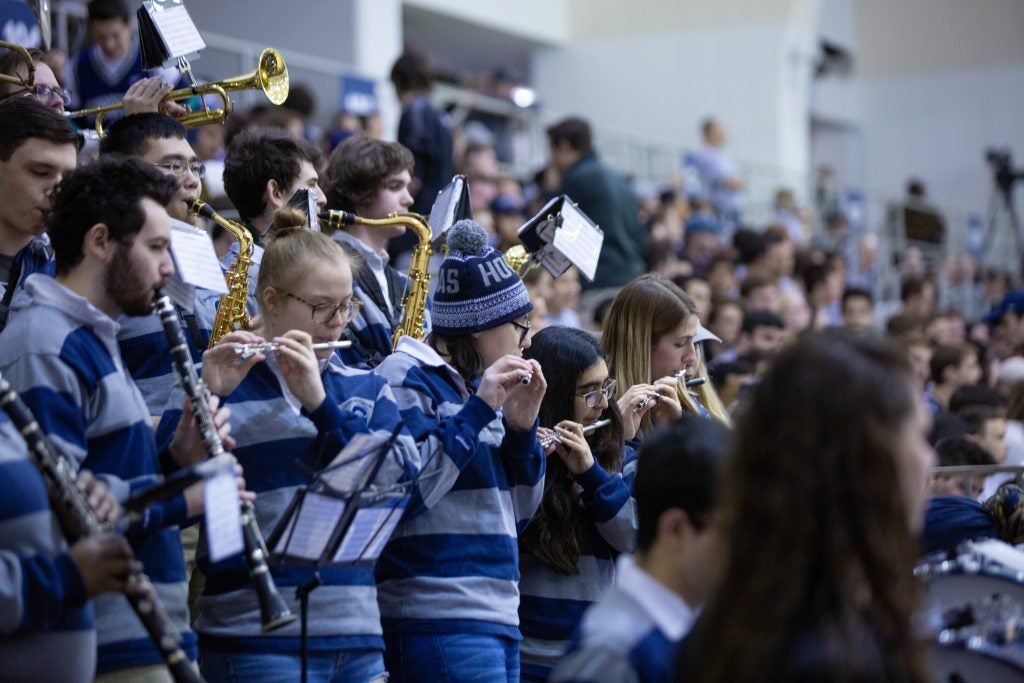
(223, 525)
(553, 261)
(347, 468)
(195, 259)
(310, 529)
(442, 212)
(370, 531)
(579, 239)
(183, 295)
(173, 23)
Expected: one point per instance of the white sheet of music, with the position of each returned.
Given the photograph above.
(370, 530)
(223, 524)
(195, 259)
(579, 240)
(175, 26)
(309, 530)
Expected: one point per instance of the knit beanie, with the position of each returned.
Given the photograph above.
(476, 288)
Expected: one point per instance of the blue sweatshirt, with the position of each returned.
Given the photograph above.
(72, 377)
(453, 564)
(43, 609)
(274, 435)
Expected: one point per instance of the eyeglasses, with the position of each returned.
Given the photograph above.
(180, 168)
(523, 330)
(324, 313)
(593, 398)
(44, 93)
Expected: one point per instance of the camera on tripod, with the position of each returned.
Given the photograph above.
(1001, 161)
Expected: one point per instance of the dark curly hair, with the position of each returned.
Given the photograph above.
(258, 156)
(557, 531)
(818, 529)
(108, 191)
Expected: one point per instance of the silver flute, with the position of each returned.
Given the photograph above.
(251, 349)
(646, 401)
(553, 438)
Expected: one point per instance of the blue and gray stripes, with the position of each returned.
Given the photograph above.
(553, 603)
(72, 378)
(278, 445)
(452, 565)
(43, 608)
(617, 641)
(147, 356)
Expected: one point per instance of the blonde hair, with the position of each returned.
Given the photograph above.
(292, 252)
(642, 312)
(708, 396)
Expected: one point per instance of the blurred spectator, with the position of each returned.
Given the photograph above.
(46, 88)
(921, 221)
(606, 198)
(858, 310)
(719, 174)
(565, 299)
(790, 215)
(507, 211)
(302, 101)
(423, 129)
(103, 72)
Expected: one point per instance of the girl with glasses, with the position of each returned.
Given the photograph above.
(588, 516)
(293, 410)
(448, 580)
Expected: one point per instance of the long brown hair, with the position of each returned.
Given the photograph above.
(556, 532)
(819, 540)
(643, 311)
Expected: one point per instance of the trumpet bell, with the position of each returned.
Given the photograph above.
(273, 76)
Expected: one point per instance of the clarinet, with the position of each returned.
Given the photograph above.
(77, 521)
(274, 613)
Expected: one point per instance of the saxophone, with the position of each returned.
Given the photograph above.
(231, 311)
(414, 300)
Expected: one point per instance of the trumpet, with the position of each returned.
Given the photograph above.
(270, 76)
(244, 351)
(589, 429)
(30, 79)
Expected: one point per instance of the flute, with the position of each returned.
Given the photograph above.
(251, 349)
(645, 402)
(589, 429)
(274, 612)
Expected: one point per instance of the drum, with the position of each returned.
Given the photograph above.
(975, 661)
(976, 606)
(980, 570)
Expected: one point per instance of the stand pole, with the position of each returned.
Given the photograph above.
(302, 595)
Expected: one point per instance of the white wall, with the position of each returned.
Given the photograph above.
(753, 77)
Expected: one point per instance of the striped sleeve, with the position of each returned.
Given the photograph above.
(446, 446)
(524, 462)
(607, 499)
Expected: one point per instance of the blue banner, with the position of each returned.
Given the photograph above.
(18, 24)
(358, 96)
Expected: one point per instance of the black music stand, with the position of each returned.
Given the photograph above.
(339, 519)
(561, 236)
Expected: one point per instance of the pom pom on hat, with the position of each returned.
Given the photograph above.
(476, 289)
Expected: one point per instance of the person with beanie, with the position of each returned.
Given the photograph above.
(447, 582)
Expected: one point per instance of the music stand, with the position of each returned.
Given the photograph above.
(561, 236)
(339, 519)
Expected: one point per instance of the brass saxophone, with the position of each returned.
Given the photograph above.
(414, 301)
(231, 311)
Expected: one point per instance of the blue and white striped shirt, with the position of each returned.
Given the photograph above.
(453, 564)
(630, 634)
(43, 608)
(553, 603)
(278, 444)
(147, 355)
(72, 377)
